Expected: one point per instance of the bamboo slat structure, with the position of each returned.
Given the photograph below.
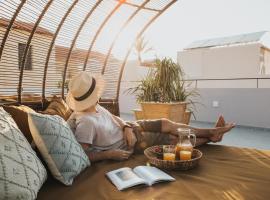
(62, 38)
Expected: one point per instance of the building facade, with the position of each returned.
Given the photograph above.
(239, 56)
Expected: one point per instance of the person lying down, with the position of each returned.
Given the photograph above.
(106, 136)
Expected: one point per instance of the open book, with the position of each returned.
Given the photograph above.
(126, 177)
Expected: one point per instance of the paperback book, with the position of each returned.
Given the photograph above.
(126, 177)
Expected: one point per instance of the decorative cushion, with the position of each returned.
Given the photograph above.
(54, 139)
(19, 114)
(58, 107)
(21, 172)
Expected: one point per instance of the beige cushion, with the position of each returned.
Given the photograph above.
(58, 107)
(19, 115)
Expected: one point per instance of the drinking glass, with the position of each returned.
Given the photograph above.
(185, 155)
(168, 153)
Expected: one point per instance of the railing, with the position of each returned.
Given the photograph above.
(257, 79)
(196, 81)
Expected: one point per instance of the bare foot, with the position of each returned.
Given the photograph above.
(218, 132)
(220, 122)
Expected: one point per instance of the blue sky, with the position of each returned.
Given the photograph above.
(189, 20)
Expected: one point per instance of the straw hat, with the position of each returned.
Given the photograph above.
(85, 89)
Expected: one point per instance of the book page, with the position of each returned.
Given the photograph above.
(152, 174)
(124, 178)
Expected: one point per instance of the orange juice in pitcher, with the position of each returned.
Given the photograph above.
(187, 141)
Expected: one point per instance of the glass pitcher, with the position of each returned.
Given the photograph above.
(187, 140)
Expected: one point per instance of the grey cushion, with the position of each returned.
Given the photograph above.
(57, 144)
(21, 172)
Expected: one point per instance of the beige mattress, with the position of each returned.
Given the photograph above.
(224, 173)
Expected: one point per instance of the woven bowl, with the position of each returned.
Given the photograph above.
(154, 154)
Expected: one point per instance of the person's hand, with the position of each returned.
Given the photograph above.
(129, 137)
(117, 154)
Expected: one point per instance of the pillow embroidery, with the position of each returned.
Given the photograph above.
(21, 172)
(58, 146)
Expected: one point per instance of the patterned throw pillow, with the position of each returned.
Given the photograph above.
(59, 148)
(21, 172)
(58, 107)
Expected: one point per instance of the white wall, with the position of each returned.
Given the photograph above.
(9, 69)
(221, 62)
(191, 62)
(133, 72)
(244, 106)
(265, 40)
(267, 61)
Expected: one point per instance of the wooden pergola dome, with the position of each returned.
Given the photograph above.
(46, 42)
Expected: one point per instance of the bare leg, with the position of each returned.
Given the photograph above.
(201, 141)
(213, 134)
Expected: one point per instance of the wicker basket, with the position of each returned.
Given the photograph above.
(187, 116)
(138, 114)
(171, 111)
(154, 155)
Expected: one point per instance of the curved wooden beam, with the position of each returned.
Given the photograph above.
(73, 43)
(118, 34)
(98, 32)
(137, 6)
(51, 48)
(10, 26)
(27, 48)
(138, 36)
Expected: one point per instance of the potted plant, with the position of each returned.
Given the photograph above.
(163, 93)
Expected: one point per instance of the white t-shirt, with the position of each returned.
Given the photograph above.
(98, 129)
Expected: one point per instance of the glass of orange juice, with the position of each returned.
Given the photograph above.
(185, 155)
(182, 147)
(168, 153)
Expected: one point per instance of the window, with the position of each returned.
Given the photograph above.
(28, 62)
